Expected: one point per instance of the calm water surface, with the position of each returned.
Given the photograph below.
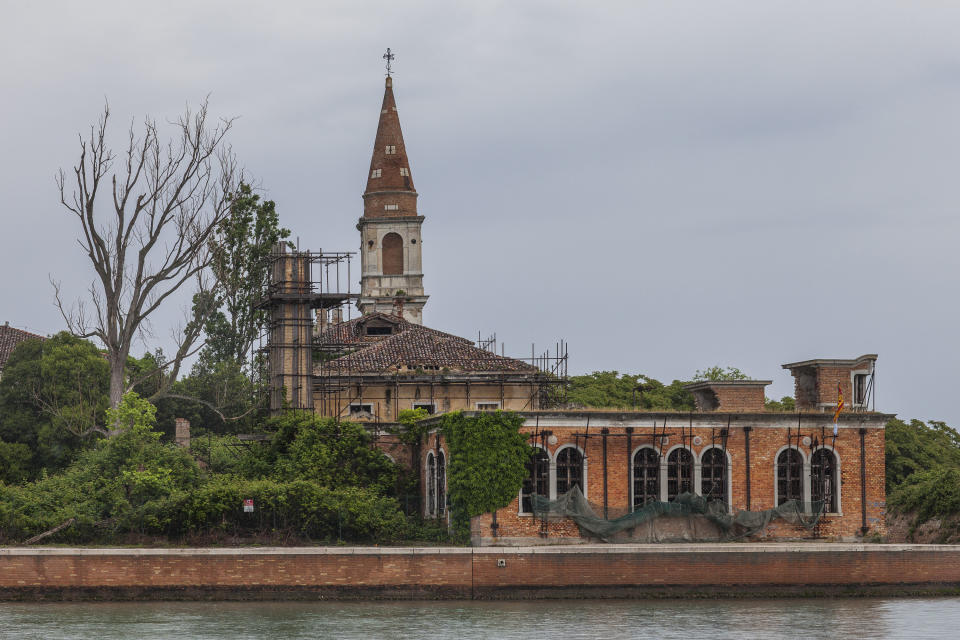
(687, 619)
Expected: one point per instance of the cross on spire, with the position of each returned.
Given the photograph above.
(389, 58)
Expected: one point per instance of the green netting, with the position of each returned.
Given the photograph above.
(689, 517)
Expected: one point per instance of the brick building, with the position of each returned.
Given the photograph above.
(730, 449)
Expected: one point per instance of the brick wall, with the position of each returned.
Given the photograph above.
(766, 442)
(465, 573)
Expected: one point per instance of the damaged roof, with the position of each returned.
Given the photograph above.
(409, 347)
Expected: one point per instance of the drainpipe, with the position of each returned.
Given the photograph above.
(746, 450)
(629, 431)
(863, 482)
(604, 432)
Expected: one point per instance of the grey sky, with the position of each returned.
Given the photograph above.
(668, 186)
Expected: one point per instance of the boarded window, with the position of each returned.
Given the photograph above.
(392, 254)
(375, 173)
(404, 171)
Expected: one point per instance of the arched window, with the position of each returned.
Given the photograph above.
(441, 484)
(713, 475)
(823, 479)
(646, 477)
(431, 485)
(392, 254)
(569, 470)
(679, 473)
(789, 476)
(537, 481)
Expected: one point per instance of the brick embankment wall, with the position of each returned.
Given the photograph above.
(485, 573)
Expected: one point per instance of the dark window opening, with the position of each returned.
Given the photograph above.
(823, 479)
(789, 476)
(426, 406)
(431, 484)
(569, 470)
(860, 388)
(441, 485)
(537, 481)
(646, 477)
(679, 473)
(360, 408)
(713, 475)
(379, 331)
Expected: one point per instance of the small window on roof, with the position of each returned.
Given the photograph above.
(379, 331)
(391, 149)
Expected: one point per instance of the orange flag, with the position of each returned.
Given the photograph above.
(836, 414)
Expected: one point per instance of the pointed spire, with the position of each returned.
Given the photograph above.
(390, 192)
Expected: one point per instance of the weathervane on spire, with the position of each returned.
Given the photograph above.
(389, 58)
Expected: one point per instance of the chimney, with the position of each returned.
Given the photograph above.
(322, 320)
(398, 306)
(182, 435)
(337, 316)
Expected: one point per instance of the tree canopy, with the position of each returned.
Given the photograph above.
(611, 389)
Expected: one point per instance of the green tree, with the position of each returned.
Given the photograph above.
(610, 389)
(917, 446)
(786, 404)
(241, 251)
(53, 393)
(720, 373)
(307, 447)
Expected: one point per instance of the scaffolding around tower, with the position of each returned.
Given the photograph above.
(302, 283)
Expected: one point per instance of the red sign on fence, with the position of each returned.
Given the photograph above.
(248, 505)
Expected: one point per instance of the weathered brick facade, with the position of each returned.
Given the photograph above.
(751, 486)
(610, 570)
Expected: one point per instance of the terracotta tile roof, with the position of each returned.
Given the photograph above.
(10, 337)
(413, 347)
(351, 332)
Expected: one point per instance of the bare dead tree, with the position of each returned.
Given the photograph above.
(151, 236)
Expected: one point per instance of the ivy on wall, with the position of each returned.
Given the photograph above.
(487, 462)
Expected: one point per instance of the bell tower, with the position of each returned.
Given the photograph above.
(391, 271)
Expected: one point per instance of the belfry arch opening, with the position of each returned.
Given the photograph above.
(392, 254)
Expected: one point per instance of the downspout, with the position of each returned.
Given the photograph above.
(604, 432)
(863, 482)
(746, 450)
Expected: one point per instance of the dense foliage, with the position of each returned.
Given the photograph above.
(315, 479)
(923, 473)
(611, 389)
(52, 391)
(487, 462)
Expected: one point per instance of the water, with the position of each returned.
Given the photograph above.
(560, 620)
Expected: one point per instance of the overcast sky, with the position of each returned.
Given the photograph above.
(666, 185)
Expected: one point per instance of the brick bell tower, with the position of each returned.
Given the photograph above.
(392, 274)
